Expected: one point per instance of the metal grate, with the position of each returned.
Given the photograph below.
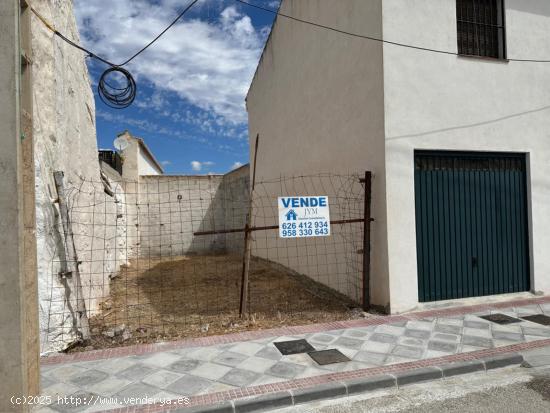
(501, 319)
(481, 29)
(325, 357)
(288, 348)
(538, 319)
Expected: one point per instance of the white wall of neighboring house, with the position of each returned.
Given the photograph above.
(435, 101)
(344, 103)
(146, 166)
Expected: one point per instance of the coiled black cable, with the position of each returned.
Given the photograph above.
(117, 97)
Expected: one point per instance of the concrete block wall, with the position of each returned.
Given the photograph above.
(172, 208)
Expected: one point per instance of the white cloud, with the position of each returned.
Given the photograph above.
(198, 166)
(208, 63)
(237, 165)
(166, 163)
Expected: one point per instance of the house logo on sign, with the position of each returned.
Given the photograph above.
(291, 215)
(304, 216)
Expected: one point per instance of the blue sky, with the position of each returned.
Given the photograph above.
(191, 83)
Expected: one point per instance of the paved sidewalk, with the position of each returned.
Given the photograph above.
(233, 369)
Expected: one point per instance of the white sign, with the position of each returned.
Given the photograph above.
(304, 216)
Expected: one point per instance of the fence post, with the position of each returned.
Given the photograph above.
(366, 240)
(243, 307)
(71, 273)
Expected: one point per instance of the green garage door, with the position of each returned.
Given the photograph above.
(471, 224)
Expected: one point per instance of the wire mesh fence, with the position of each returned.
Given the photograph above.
(162, 258)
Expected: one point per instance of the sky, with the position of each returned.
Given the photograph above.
(192, 83)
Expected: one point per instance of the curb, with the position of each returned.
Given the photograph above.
(339, 389)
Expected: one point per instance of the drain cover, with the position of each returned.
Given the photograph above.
(539, 319)
(325, 357)
(294, 347)
(501, 318)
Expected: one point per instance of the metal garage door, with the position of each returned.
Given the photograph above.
(471, 224)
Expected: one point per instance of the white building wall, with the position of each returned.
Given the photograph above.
(65, 140)
(145, 165)
(436, 101)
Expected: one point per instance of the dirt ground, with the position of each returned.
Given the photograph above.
(181, 297)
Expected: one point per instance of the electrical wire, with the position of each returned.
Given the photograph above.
(114, 97)
(372, 38)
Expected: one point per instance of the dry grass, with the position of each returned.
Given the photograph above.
(194, 296)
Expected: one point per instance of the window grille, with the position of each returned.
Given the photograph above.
(481, 28)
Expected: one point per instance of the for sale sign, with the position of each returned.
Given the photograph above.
(304, 216)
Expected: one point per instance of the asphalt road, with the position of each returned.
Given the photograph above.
(518, 389)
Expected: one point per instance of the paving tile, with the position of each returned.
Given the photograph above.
(248, 349)
(63, 373)
(46, 382)
(217, 387)
(397, 360)
(206, 353)
(309, 372)
(161, 359)
(189, 385)
(534, 331)
(446, 337)
(348, 342)
(391, 330)
(477, 341)
(359, 333)
(257, 364)
(303, 359)
(383, 338)
(476, 324)
(229, 358)
(210, 371)
(87, 378)
(450, 321)
(465, 348)
(443, 328)
(113, 366)
(270, 353)
(136, 372)
(239, 378)
(504, 335)
(161, 379)
(408, 341)
(183, 365)
(138, 390)
(59, 389)
(267, 379)
(322, 338)
(408, 352)
(421, 334)
(109, 386)
(442, 346)
(420, 325)
(376, 347)
(477, 332)
(286, 370)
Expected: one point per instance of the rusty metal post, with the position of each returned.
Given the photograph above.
(243, 307)
(71, 274)
(366, 240)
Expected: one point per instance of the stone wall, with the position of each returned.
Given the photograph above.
(65, 140)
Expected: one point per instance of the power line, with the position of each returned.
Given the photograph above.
(372, 38)
(115, 97)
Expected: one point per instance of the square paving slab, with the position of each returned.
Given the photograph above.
(500, 318)
(325, 357)
(539, 319)
(294, 347)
